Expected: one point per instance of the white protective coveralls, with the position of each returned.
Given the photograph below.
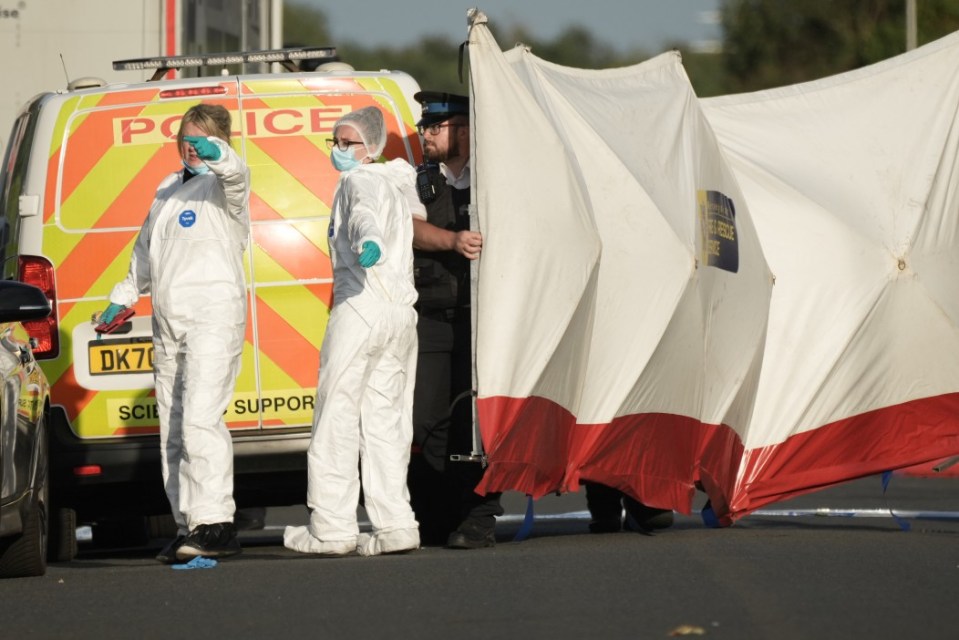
(189, 256)
(364, 404)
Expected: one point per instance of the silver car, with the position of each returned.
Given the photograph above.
(24, 467)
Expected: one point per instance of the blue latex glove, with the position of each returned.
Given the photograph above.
(205, 150)
(199, 562)
(111, 312)
(370, 254)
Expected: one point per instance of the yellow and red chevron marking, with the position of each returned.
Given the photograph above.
(107, 123)
(128, 168)
(103, 186)
(118, 148)
(292, 248)
(288, 338)
(95, 138)
(290, 178)
(293, 188)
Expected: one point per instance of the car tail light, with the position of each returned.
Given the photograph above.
(87, 470)
(39, 272)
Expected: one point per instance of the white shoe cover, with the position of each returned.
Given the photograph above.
(396, 541)
(300, 539)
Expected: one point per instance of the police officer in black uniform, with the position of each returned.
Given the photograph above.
(441, 490)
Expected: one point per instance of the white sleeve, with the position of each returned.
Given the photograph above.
(127, 291)
(417, 208)
(365, 201)
(234, 175)
(407, 187)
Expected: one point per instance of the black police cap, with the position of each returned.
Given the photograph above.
(439, 106)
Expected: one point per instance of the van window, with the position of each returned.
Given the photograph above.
(14, 170)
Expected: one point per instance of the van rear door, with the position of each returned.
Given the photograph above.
(110, 150)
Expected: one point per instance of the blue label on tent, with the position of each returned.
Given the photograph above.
(717, 220)
(187, 218)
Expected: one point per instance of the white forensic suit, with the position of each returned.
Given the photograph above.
(189, 256)
(364, 405)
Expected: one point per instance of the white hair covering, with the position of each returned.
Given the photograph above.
(368, 122)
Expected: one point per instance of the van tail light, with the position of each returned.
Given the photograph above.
(39, 272)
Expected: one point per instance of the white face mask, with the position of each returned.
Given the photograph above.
(197, 171)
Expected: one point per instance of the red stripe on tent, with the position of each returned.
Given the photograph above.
(527, 443)
(535, 447)
(544, 451)
(926, 470)
(911, 433)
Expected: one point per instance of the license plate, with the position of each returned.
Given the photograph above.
(120, 355)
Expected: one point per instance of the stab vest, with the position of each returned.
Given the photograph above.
(442, 278)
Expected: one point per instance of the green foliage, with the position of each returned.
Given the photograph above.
(305, 26)
(434, 62)
(771, 43)
(575, 47)
(706, 73)
(766, 43)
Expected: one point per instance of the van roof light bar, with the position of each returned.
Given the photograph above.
(286, 57)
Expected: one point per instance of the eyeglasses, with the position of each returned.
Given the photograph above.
(342, 145)
(434, 129)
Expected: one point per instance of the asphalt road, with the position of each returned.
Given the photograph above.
(781, 573)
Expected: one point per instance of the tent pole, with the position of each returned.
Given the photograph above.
(911, 25)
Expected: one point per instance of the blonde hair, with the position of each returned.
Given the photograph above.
(211, 118)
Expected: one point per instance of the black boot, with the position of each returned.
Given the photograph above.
(472, 534)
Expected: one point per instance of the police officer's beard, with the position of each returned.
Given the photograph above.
(433, 154)
(453, 149)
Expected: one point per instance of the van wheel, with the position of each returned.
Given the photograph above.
(62, 541)
(25, 555)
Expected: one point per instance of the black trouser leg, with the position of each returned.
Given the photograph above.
(605, 506)
(434, 496)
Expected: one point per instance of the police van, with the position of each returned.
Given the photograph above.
(78, 178)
